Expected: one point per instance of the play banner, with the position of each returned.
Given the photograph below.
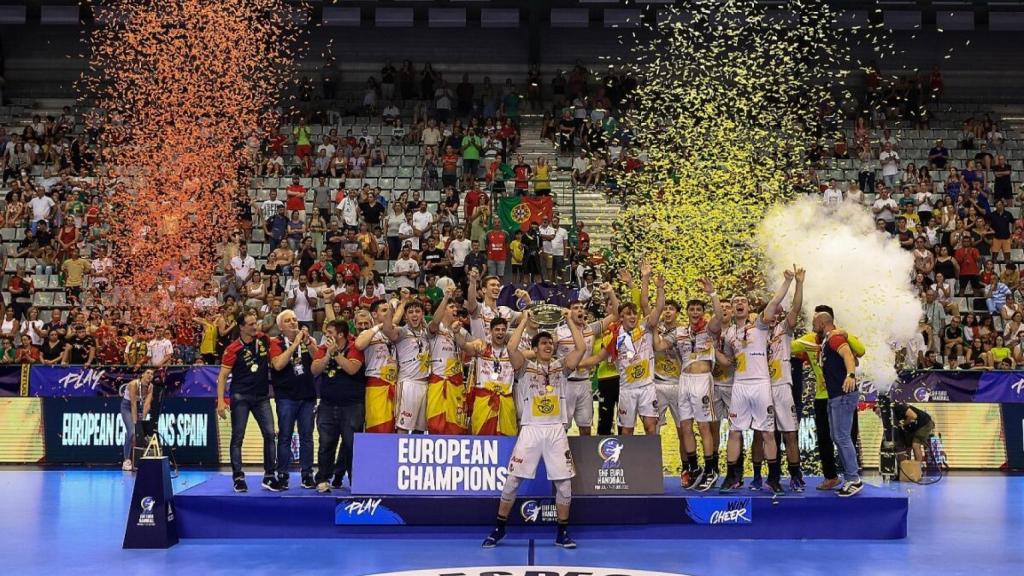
(992, 386)
(91, 430)
(64, 381)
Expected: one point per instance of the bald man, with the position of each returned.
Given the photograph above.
(838, 366)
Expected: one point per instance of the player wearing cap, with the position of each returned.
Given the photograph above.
(541, 385)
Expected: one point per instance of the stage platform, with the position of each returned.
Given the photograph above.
(212, 510)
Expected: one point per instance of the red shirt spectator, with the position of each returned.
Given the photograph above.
(967, 257)
(277, 143)
(347, 271)
(497, 244)
(473, 199)
(296, 196)
(349, 299)
(582, 238)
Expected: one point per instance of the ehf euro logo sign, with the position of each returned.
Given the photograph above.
(610, 450)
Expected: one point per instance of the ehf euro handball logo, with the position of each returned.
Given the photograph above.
(146, 518)
(533, 511)
(610, 450)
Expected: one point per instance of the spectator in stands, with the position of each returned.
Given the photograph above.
(449, 167)
(885, 209)
(938, 156)
(968, 257)
(80, 348)
(458, 249)
(890, 161)
(1002, 223)
(160, 348)
(497, 251)
(477, 259)
(472, 146)
(75, 269)
(406, 270)
(1002, 184)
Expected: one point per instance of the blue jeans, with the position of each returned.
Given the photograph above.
(259, 406)
(290, 413)
(841, 411)
(129, 427)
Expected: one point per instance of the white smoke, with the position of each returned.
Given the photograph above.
(862, 274)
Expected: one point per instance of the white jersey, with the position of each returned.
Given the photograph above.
(480, 322)
(380, 358)
(494, 369)
(694, 344)
(540, 391)
(564, 346)
(749, 344)
(413, 351)
(780, 351)
(445, 358)
(666, 363)
(635, 357)
(722, 374)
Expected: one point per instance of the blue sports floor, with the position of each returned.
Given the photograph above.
(72, 522)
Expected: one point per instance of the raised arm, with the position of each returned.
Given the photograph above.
(442, 312)
(798, 298)
(645, 288)
(611, 307)
(717, 316)
(773, 305)
(514, 354)
(471, 291)
(572, 360)
(388, 328)
(659, 304)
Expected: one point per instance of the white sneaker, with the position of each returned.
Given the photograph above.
(127, 465)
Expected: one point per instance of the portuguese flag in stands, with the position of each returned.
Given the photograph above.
(519, 213)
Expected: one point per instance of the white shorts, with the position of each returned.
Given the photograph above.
(547, 441)
(786, 419)
(751, 407)
(412, 405)
(696, 397)
(579, 403)
(667, 394)
(632, 401)
(721, 401)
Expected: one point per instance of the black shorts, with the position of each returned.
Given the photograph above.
(531, 264)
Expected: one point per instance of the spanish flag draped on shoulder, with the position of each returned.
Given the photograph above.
(518, 213)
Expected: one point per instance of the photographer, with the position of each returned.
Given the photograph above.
(916, 424)
(136, 403)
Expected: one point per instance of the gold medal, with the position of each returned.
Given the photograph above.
(254, 369)
(550, 388)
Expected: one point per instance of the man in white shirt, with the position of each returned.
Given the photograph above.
(326, 146)
(431, 135)
(243, 264)
(547, 234)
(559, 243)
(458, 248)
(832, 197)
(161, 350)
(890, 161)
(269, 207)
(406, 270)
(42, 206)
(580, 167)
(407, 232)
(422, 219)
(885, 208)
(349, 209)
(303, 300)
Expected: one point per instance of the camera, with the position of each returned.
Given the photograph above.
(888, 452)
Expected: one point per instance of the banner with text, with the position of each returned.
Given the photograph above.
(403, 464)
(991, 386)
(64, 381)
(91, 430)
